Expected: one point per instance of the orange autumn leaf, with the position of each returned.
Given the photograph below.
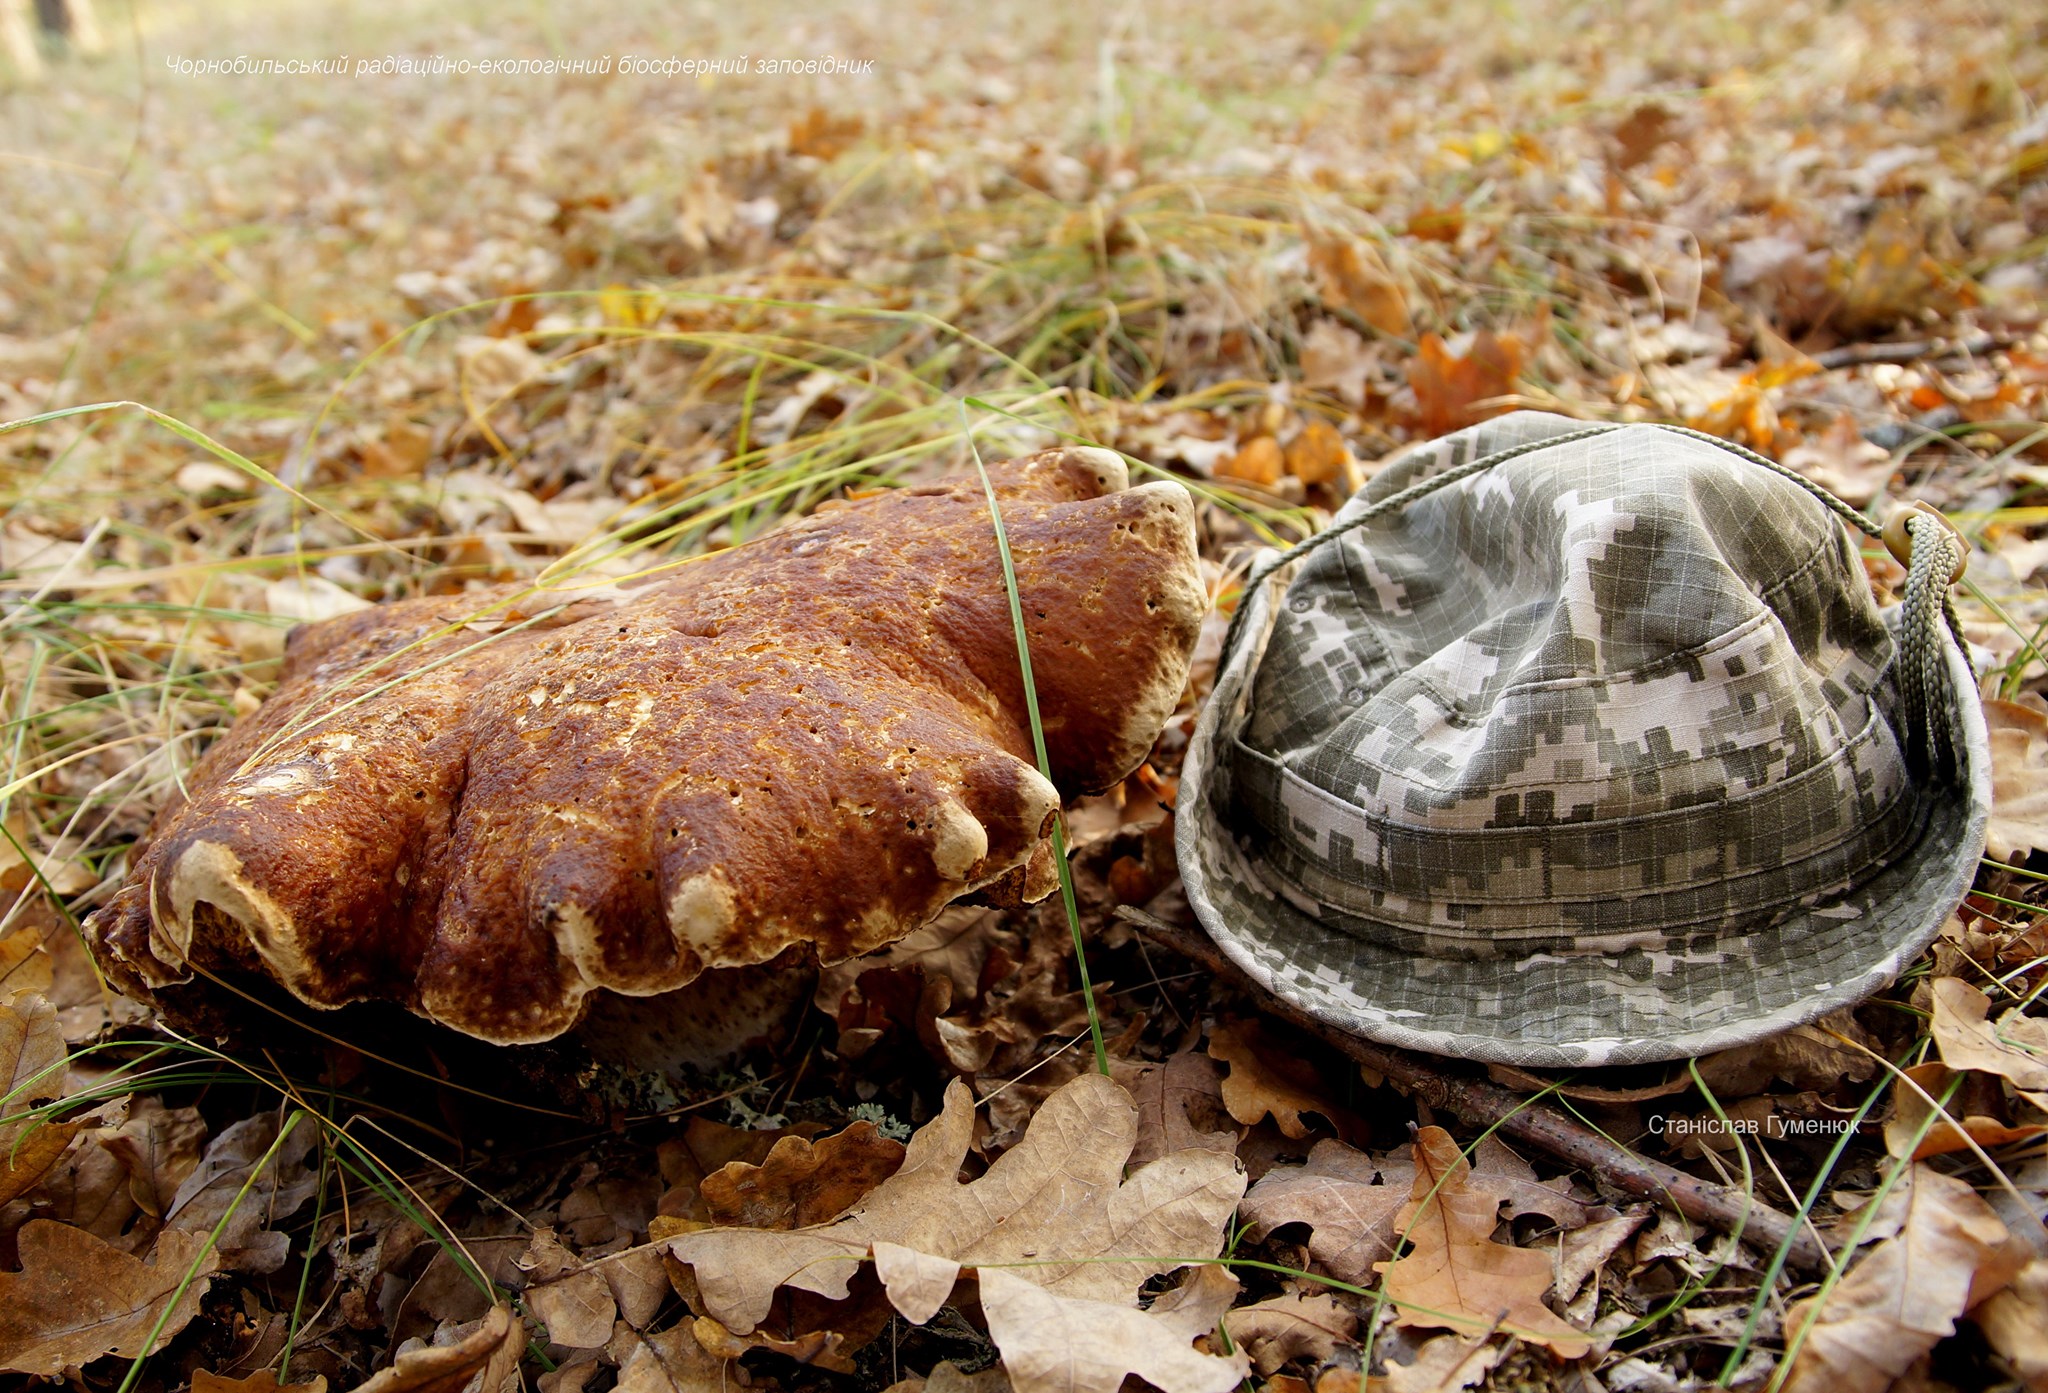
(1455, 1277)
(1452, 391)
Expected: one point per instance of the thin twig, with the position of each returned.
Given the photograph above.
(1860, 354)
(1486, 1105)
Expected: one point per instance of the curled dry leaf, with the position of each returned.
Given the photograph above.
(281, 1183)
(2015, 1321)
(847, 684)
(1054, 1342)
(2015, 1048)
(1906, 1292)
(1456, 1276)
(800, 1182)
(1453, 389)
(76, 1299)
(947, 1378)
(32, 1071)
(1057, 1202)
(671, 1361)
(2019, 779)
(1913, 1098)
(1292, 1327)
(1804, 1057)
(1446, 1364)
(1348, 1199)
(1180, 1106)
(262, 1381)
(1260, 1083)
(484, 1361)
(1352, 274)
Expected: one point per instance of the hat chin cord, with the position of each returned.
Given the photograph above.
(1927, 544)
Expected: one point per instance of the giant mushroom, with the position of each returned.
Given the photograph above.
(519, 815)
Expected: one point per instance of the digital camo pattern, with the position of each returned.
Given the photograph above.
(1587, 758)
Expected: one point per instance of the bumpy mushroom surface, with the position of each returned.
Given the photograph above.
(816, 741)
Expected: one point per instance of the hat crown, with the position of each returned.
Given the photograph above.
(1623, 694)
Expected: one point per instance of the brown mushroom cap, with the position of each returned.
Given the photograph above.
(818, 738)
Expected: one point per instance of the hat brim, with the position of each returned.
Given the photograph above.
(1580, 1011)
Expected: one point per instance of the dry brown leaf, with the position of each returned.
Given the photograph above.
(576, 1307)
(2016, 1048)
(1180, 1106)
(1583, 1252)
(703, 1148)
(262, 1381)
(1906, 1292)
(1056, 1201)
(1449, 388)
(1953, 1132)
(1512, 1181)
(1053, 1342)
(1351, 274)
(1290, 1327)
(1258, 461)
(1259, 1082)
(947, 1378)
(1640, 133)
(282, 1182)
(159, 1148)
(1318, 455)
(671, 1361)
(1841, 461)
(1456, 1276)
(2019, 779)
(1446, 1364)
(1804, 1057)
(32, 1068)
(819, 1349)
(2015, 1320)
(1348, 1200)
(24, 963)
(800, 1182)
(76, 1299)
(484, 1361)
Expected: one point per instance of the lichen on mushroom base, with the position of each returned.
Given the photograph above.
(518, 816)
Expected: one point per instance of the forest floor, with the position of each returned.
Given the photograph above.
(279, 345)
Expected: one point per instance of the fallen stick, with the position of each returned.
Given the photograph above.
(1483, 1104)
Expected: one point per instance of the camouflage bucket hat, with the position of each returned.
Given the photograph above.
(1571, 746)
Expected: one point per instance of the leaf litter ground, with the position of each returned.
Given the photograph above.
(397, 335)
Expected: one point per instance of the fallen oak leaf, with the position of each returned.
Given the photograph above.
(484, 1361)
(262, 1381)
(1446, 1364)
(822, 1349)
(1180, 1106)
(800, 1183)
(1052, 1342)
(1291, 1327)
(671, 1361)
(1455, 1276)
(1913, 1097)
(247, 1157)
(1512, 1181)
(32, 1068)
(1257, 1086)
(2015, 1321)
(2016, 1048)
(1450, 388)
(1905, 1294)
(2019, 779)
(1348, 1200)
(76, 1298)
(1057, 1200)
